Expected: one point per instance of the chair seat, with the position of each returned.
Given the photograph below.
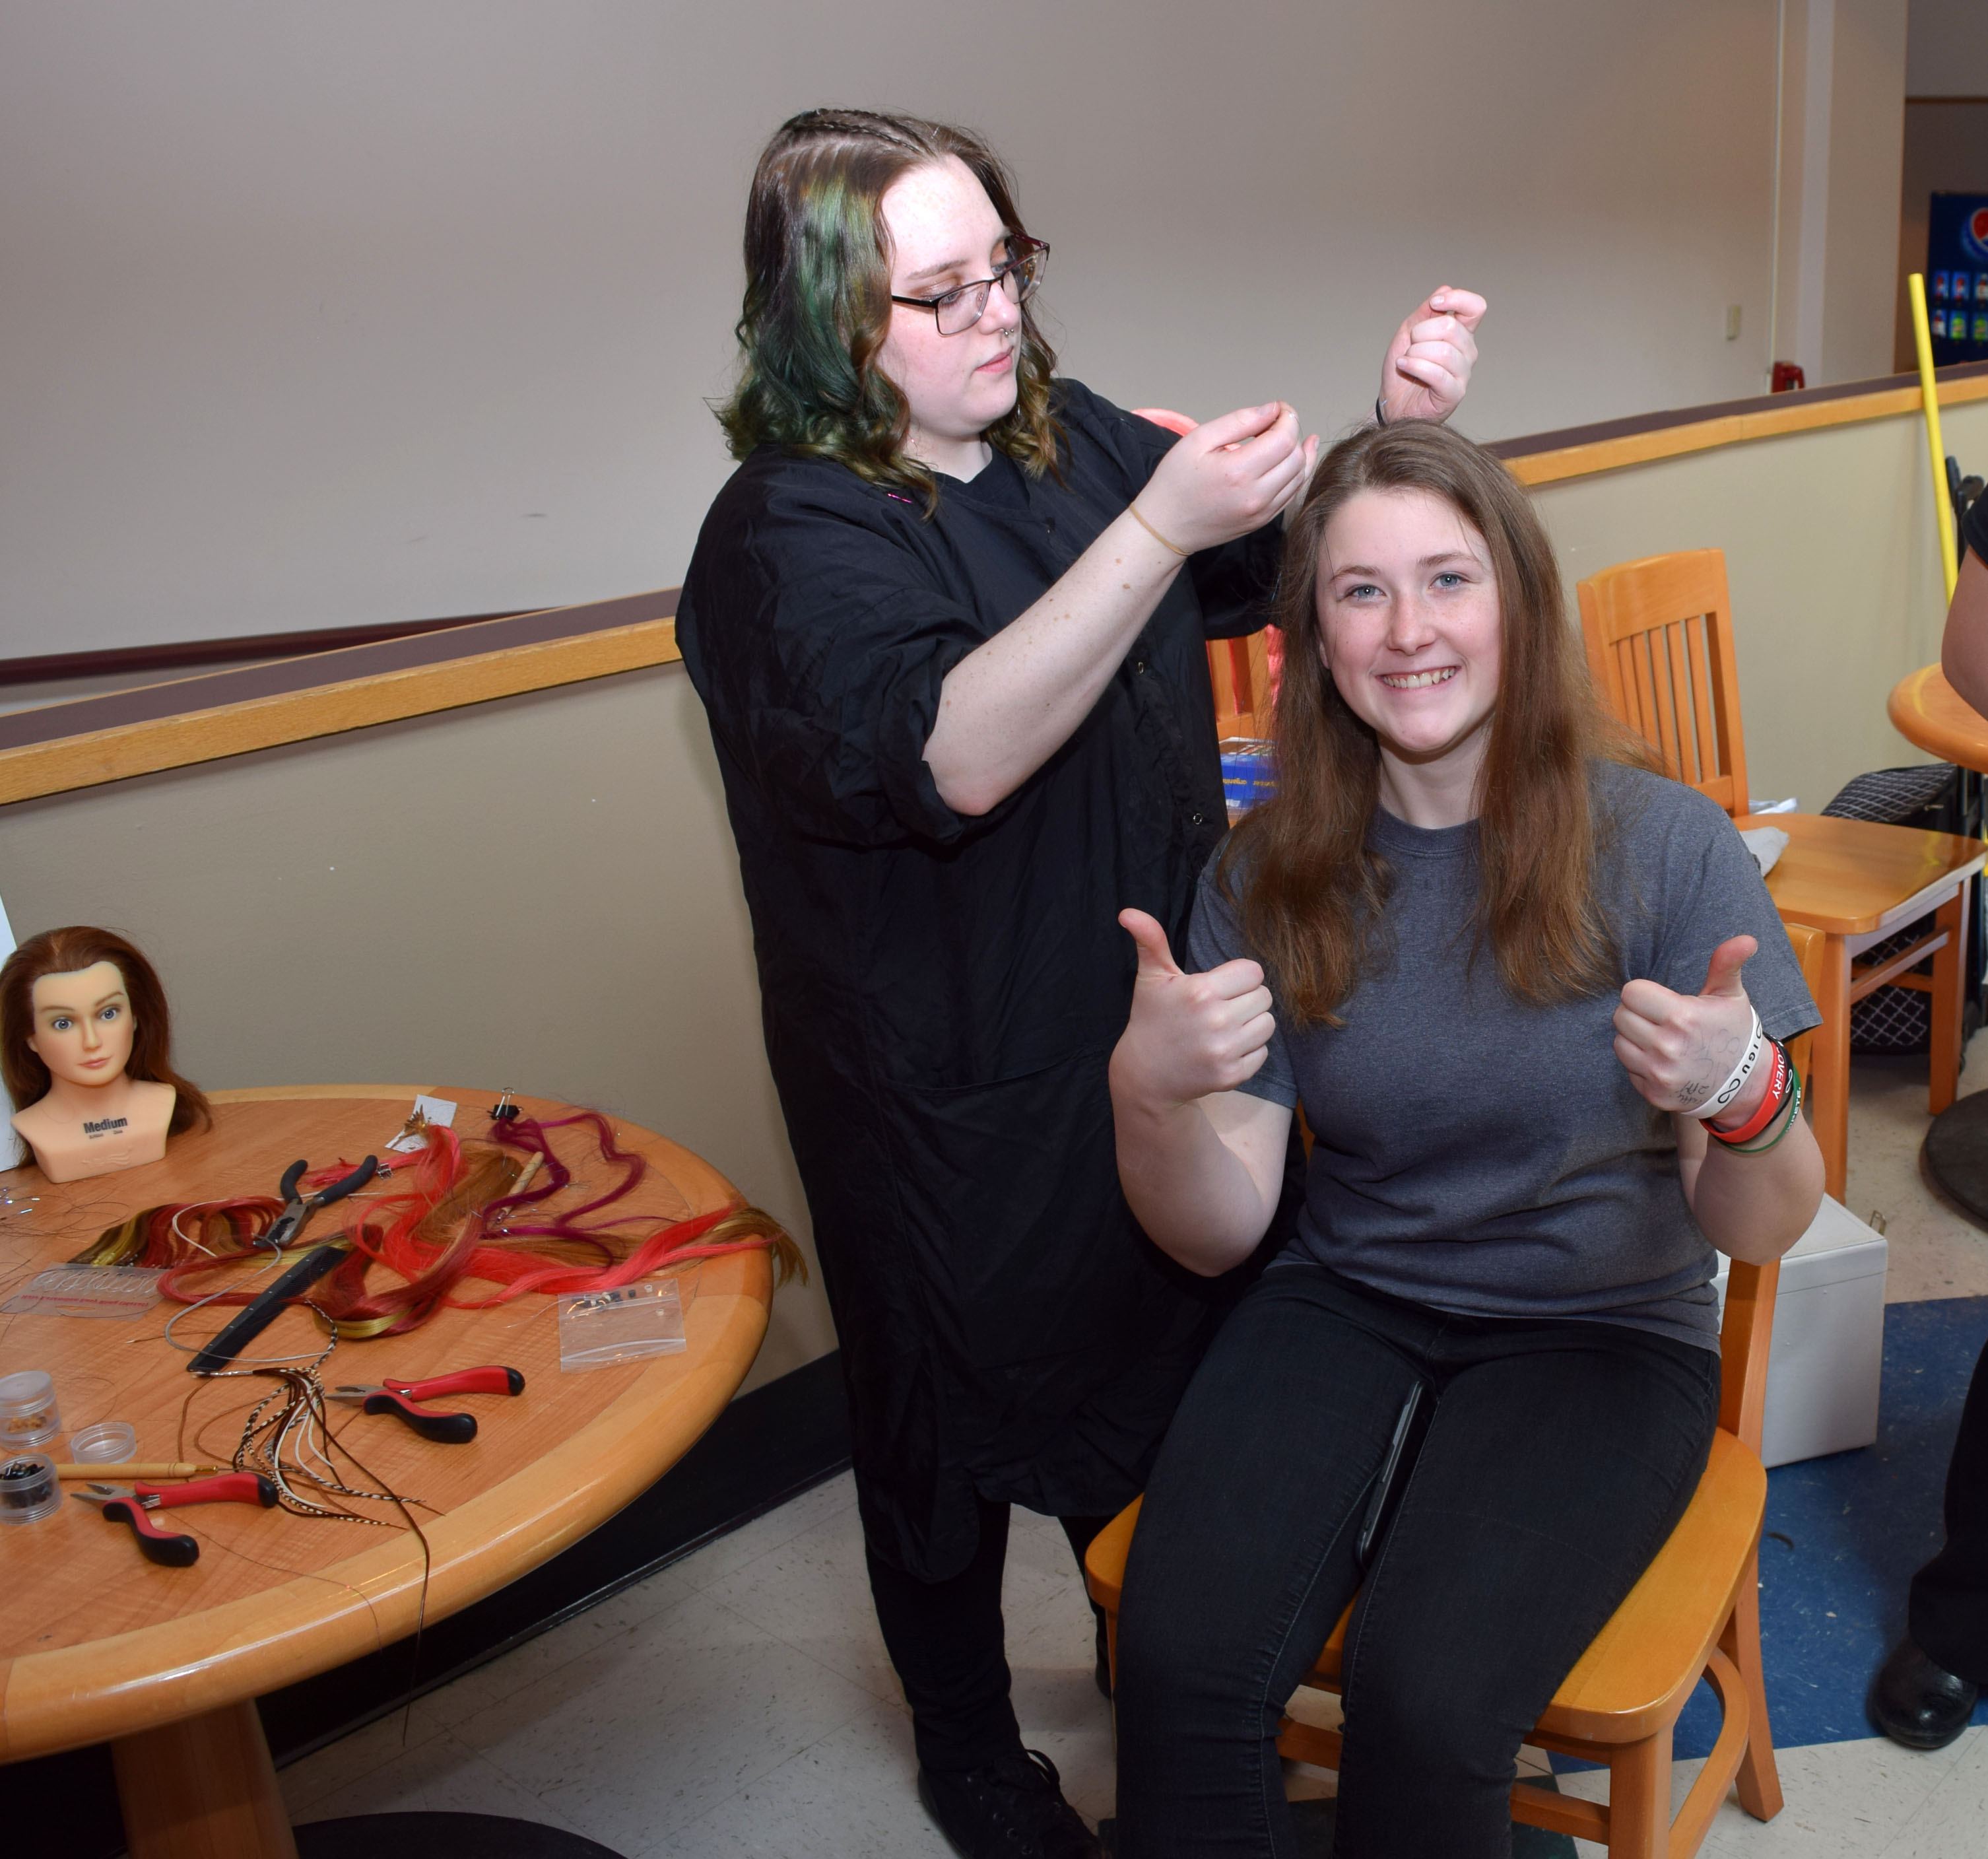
(1633, 1679)
(1851, 877)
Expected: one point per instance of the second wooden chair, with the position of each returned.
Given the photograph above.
(1659, 638)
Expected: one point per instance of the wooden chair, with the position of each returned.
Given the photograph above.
(1695, 1614)
(1240, 669)
(1659, 638)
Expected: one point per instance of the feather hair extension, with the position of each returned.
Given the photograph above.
(478, 1216)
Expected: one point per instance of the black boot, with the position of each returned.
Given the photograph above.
(1918, 1703)
(1013, 1809)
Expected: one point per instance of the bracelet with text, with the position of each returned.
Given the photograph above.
(1780, 1087)
(1788, 1122)
(1756, 1041)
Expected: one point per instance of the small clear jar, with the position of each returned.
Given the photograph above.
(29, 1414)
(109, 1442)
(29, 1489)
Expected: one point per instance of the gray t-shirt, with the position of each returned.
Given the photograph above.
(1477, 1155)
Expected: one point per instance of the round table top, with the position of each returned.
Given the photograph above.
(97, 1642)
(1930, 714)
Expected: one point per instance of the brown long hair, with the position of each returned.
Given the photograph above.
(818, 299)
(1310, 888)
(61, 952)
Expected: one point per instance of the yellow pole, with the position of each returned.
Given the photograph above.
(1942, 499)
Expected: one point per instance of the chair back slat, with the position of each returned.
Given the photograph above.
(1699, 652)
(1659, 640)
(1240, 671)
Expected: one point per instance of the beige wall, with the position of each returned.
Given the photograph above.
(1949, 49)
(540, 892)
(1836, 583)
(1842, 92)
(323, 316)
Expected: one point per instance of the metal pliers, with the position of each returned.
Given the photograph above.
(129, 1504)
(398, 1398)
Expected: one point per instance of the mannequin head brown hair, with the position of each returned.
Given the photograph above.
(57, 951)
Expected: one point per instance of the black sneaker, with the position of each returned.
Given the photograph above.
(1013, 1809)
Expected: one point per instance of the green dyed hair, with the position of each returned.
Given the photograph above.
(818, 300)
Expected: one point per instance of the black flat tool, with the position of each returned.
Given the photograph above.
(255, 1318)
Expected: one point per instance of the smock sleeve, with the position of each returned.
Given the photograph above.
(819, 639)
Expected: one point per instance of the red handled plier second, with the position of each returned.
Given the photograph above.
(132, 1504)
(399, 1398)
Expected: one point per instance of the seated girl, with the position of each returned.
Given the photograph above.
(1513, 977)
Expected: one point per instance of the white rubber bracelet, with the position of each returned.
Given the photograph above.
(1726, 1093)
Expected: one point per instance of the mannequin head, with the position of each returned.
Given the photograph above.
(98, 975)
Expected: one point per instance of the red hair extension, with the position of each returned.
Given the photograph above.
(400, 1231)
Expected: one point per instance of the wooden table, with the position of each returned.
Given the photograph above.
(96, 1643)
(1929, 713)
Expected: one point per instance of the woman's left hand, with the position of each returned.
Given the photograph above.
(1427, 370)
(1680, 1048)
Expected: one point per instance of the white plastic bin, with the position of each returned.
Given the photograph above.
(1829, 1340)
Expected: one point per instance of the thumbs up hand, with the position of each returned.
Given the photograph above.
(1189, 1035)
(1680, 1048)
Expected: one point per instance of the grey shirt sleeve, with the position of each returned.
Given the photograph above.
(1714, 890)
(1214, 936)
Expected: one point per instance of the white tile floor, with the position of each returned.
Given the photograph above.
(740, 1702)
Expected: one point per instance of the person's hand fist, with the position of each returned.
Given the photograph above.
(1680, 1048)
(1229, 476)
(1427, 372)
(1189, 1035)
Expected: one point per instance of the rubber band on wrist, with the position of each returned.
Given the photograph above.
(1133, 509)
(1794, 1116)
(1756, 1041)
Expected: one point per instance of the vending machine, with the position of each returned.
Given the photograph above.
(1957, 277)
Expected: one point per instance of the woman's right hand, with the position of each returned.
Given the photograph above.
(1189, 1036)
(1228, 477)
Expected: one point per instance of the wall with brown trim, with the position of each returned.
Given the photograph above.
(1836, 588)
(360, 312)
(539, 891)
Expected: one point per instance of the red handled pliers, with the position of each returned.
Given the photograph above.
(399, 1397)
(130, 1503)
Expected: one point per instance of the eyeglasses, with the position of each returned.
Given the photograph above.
(958, 310)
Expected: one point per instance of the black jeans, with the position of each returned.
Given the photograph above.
(945, 1639)
(1558, 1456)
(1950, 1596)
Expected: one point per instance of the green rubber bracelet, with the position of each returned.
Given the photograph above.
(1794, 1111)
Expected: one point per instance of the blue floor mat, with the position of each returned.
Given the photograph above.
(1845, 1535)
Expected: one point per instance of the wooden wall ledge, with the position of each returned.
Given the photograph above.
(58, 747)
(1580, 452)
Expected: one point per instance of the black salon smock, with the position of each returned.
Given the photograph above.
(941, 993)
